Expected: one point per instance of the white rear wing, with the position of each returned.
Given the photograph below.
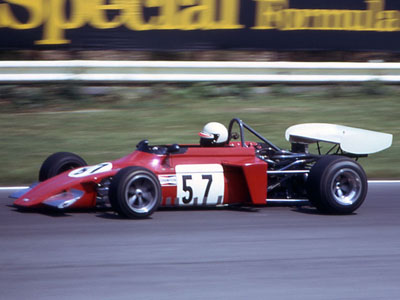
(351, 140)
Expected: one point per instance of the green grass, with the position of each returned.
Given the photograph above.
(103, 128)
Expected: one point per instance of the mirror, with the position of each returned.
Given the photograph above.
(173, 148)
(234, 135)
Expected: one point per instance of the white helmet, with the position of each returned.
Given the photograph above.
(213, 134)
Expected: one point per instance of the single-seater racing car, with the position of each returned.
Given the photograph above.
(224, 169)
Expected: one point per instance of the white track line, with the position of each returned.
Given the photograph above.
(383, 181)
(5, 188)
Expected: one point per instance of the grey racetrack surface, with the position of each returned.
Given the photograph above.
(265, 253)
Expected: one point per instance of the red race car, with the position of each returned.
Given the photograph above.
(224, 169)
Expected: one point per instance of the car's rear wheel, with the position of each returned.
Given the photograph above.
(135, 192)
(58, 163)
(337, 185)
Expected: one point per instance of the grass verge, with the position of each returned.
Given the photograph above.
(103, 127)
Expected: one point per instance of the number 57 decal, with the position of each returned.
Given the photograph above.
(200, 184)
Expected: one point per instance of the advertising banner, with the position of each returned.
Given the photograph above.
(157, 25)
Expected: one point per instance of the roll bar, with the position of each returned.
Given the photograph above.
(243, 125)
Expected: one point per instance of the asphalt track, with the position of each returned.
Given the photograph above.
(265, 253)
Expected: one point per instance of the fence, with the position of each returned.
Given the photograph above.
(168, 71)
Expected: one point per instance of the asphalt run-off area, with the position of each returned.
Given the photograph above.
(272, 252)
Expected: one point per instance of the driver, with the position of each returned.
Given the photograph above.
(213, 135)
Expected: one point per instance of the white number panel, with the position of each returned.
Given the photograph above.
(91, 170)
(200, 184)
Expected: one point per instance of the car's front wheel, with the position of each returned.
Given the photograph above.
(58, 163)
(337, 185)
(135, 192)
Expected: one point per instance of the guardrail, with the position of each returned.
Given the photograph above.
(168, 71)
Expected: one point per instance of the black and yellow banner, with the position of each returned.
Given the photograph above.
(201, 24)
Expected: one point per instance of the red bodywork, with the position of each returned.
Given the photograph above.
(244, 177)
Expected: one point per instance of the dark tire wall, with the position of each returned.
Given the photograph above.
(119, 189)
(58, 163)
(320, 182)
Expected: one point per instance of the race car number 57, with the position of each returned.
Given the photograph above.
(200, 184)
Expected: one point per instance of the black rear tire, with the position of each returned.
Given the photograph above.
(337, 185)
(58, 163)
(135, 192)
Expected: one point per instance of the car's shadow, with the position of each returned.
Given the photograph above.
(108, 214)
(306, 210)
(314, 211)
(55, 213)
(43, 211)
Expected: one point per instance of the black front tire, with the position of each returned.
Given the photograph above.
(58, 163)
(135, 192)
(337, 185)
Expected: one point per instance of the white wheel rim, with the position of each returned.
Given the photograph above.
(346, 186)
(141, 193)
